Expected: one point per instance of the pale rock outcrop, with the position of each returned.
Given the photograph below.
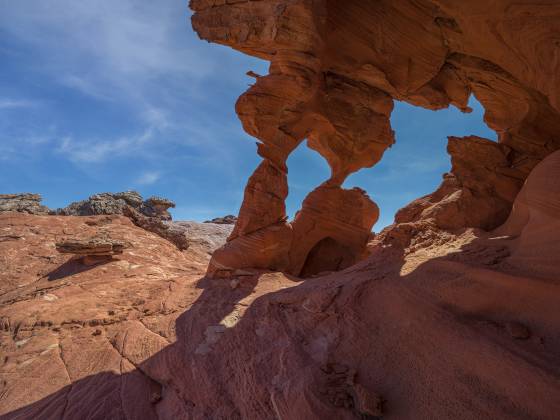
(151, 214)
(22, 203)
(207, 236)
(117, 203)
(230, 219)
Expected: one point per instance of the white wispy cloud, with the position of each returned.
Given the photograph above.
(94, 151)
(85, 86)
(125, 44)
(139, 56)
(16, 103)
(148, 178)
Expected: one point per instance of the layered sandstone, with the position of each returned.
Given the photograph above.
(336, 68)
(446, 318)
(92, 250)
(463, 327)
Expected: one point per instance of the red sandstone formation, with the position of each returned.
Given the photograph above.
(461, 326)
(337, 66)
(453, 315)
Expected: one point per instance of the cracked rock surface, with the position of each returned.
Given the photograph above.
(461, 326)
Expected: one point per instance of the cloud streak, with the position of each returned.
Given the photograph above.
(16, 103)
(121, 43)
(148, 178)
(134, 55)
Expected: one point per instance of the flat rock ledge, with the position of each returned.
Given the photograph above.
(92, 250)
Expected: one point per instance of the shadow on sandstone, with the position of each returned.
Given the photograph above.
(363, 343)
(74, 266)
(154, 387)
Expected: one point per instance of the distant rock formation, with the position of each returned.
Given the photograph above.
(151, 214)
(205, 236)
(118, 203)
(230, 219)
(23, 203)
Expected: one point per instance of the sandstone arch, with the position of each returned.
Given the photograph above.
(336, 68)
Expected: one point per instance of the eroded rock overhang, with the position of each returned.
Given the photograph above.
(335, 69)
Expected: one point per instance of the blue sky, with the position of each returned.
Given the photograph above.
(115, 95)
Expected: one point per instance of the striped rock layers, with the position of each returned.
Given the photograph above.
(335, 69)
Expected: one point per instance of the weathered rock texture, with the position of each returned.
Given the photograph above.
(119, 203)
(337, 66)
(460, 325)
(204, 236)
(22, 203)
(230, 219)
(441, 321)
(92, 250)
(151, 214)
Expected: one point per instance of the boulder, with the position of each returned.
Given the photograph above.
(92, 250)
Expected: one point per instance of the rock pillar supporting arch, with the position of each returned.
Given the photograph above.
(336, 67)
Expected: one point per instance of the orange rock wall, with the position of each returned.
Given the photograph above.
(336, 67)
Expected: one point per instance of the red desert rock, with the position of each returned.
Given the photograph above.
(337, 67)
(450, 313)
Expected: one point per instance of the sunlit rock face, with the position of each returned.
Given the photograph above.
(335, 69)
(440, 321)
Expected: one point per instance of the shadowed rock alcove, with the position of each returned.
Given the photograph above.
(327, 255)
